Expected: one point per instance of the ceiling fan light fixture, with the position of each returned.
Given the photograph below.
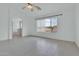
(31, 7)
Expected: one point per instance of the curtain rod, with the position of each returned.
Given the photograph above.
(48, 16)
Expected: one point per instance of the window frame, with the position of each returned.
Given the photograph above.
(49, 17)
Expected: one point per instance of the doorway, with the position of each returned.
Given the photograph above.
(17, 25)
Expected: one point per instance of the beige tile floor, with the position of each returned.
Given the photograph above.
(34, 46)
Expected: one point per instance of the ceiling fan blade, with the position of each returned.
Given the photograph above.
(38, 7)
(29, 4)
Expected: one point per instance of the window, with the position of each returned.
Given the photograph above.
(47, 24)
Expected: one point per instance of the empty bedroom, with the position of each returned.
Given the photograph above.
(39, 29)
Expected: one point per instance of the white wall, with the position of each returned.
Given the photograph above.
(77, 24)
(16, 11)
(9, 12)
(3, 22)
(66, 30)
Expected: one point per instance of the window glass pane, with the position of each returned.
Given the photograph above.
(54, 21)
(47, 22)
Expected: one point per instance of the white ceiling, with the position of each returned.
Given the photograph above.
(47, 8)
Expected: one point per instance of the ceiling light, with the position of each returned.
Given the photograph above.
(31, 7)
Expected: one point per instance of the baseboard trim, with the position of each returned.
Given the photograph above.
(49, 38)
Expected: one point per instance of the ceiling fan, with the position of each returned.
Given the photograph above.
(31, 7)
